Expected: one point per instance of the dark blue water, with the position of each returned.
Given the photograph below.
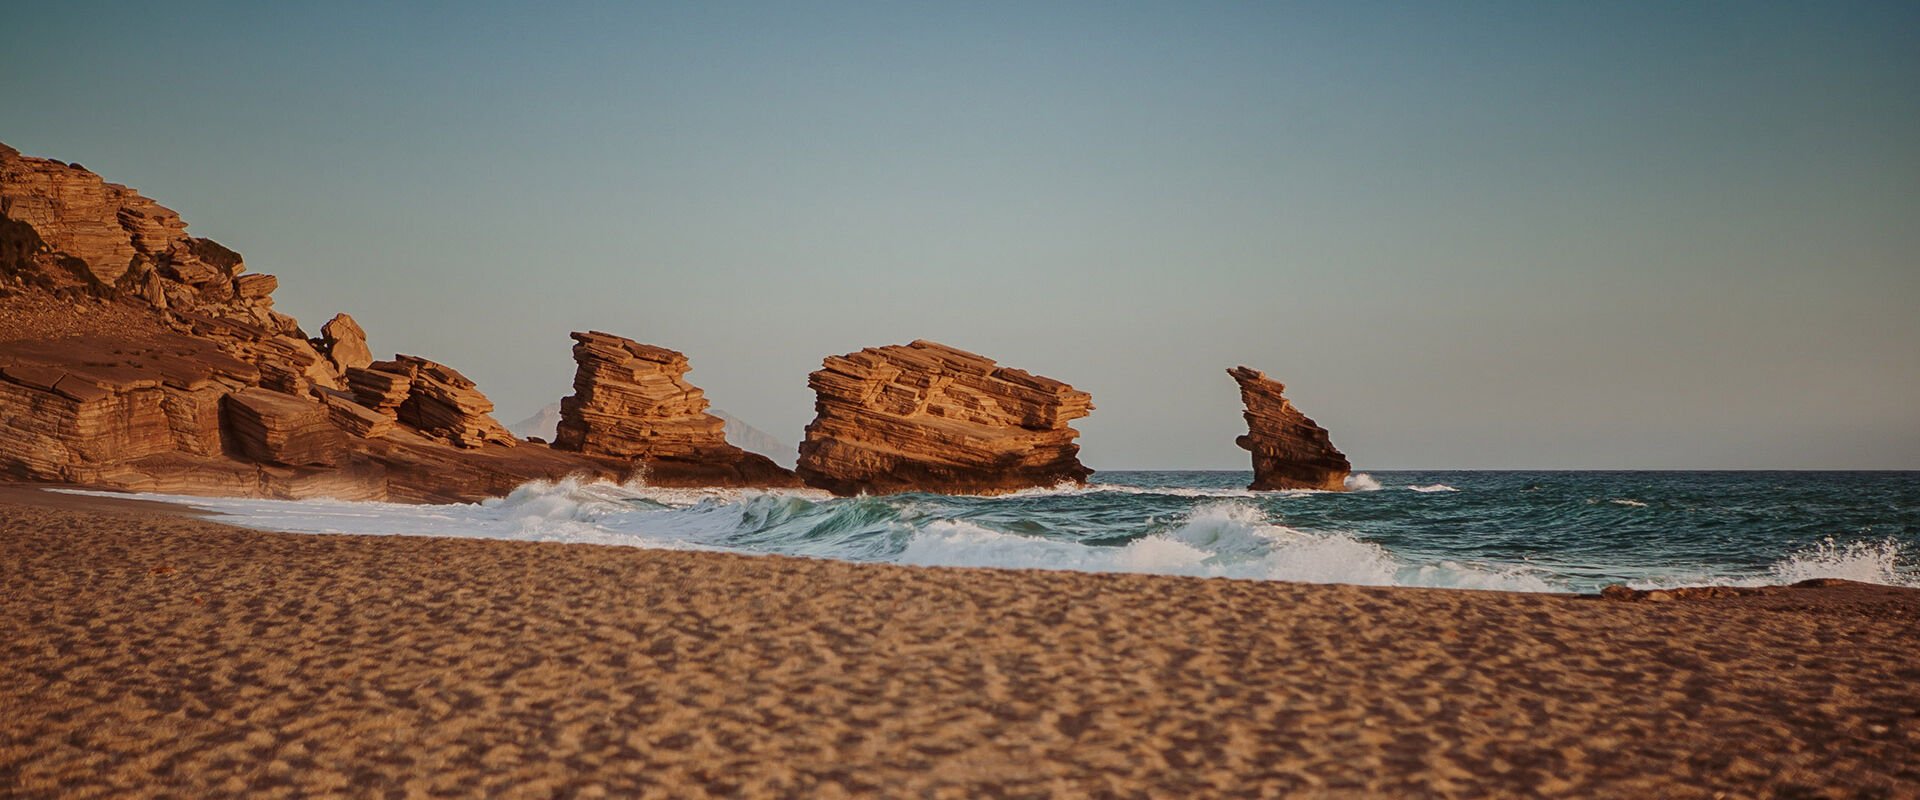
(1524, 531)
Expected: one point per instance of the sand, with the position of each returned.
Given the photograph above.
(147, 654)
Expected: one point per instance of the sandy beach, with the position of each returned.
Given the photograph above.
(145, 653)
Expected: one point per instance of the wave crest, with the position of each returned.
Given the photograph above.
(1863, 561)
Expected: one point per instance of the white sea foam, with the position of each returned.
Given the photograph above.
(1432, 488)
(1864, 561)
(1362, 482)
(1867, 562)
(1218, 536)
(1072, 490)
(1225, 538)
(1628, 501)
(1221, 540)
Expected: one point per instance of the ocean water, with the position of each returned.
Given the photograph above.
(1513, 531)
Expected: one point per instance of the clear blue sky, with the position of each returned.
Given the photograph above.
(1475, 235)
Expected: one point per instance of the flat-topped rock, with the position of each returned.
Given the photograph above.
(928, 417)
(631, 401)
(1289, 450)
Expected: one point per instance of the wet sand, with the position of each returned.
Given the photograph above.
(145, 653)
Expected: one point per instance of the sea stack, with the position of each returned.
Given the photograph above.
(924, 417)
(632, 402)
(1289, 450)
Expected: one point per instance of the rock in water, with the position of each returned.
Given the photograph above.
(631, 402)
(1289, 450)
(927, 417)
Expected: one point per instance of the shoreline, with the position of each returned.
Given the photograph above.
(86, 498)
(154, 652)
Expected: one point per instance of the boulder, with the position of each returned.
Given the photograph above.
(255, 286)
(631, 401)
(1289, 450)
(932, 418)
(345, 344)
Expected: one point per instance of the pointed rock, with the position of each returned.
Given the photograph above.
(1289, 450)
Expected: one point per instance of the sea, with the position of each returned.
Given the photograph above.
(1500, 531)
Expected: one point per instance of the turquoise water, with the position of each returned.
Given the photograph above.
(1521, 531)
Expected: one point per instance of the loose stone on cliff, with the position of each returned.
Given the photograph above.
(928, 417)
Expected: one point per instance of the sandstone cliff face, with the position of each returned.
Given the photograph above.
(631, 401)
(1289, 450)
(135, 356)
(65, 231)
(927, 417)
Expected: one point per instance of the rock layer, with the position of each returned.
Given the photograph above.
(631, 401)
(927, 417)
(1289, 450)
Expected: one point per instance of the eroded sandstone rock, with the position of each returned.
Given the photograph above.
(135, 356)
(927, 417)
(277, 428)
(66, 231)
(1289, 450)
(631, 401)
(70, 406)
(442, 402)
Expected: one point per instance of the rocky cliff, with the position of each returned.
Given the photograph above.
(135, 356)
(631, 402)
(1289, 450)
(927, 417)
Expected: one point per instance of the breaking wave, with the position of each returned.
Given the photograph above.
(1522, 532)
(1866, 562)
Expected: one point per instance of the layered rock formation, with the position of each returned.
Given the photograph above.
(631, 402)
(67, 232)
(442, 402)
(135, 356)
(1289, 450)
(927, 417)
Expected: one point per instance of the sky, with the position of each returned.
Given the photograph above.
(1466, 235)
